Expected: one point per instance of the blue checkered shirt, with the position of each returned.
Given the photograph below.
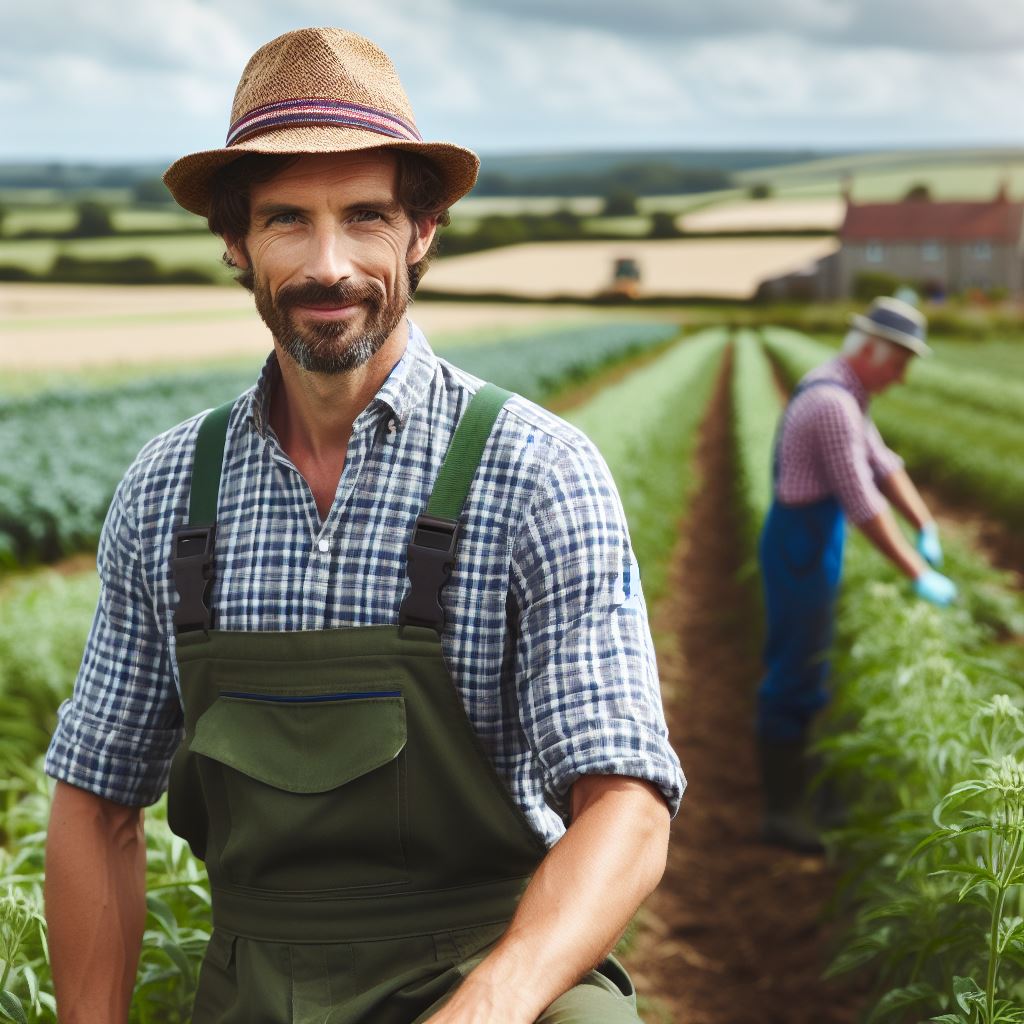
(546, 640)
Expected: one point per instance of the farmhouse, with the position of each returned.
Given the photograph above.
(938, 247)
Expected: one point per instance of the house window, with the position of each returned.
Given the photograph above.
(982, 250)
(931, 252)
(875, 252)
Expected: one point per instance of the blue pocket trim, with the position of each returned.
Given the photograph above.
(314, 698)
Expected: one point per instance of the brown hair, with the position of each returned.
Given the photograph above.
(420, 192)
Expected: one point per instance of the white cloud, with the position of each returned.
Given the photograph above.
(907, 24)
(144, 79)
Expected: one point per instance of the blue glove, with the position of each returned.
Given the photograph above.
(935, 587)
(928, 546)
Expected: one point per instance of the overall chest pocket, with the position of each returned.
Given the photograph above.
(304, 792)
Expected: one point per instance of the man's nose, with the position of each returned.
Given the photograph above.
(328, 259)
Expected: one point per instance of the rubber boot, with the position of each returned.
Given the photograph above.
(829, 808)
(784, 780)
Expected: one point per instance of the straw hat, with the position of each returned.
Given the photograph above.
(895, 321)
(318, 90)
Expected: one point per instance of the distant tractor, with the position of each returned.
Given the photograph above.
(625, 282)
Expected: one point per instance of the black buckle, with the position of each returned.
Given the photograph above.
(192, 568)
(430, 562)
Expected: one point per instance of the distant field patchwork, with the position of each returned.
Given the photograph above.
(825, 213)
(721, 267)
(168, 251)
(49, 329)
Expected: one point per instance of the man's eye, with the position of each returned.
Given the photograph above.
(283, 218)
(366, 215)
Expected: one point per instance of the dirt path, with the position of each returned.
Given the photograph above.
(734, 934)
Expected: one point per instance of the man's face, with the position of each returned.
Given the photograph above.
(887, 365)
(330, 247)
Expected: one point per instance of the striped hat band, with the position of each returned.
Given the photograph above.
(895, 321)
(321, 112)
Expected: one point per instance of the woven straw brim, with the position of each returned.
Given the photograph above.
(916, 345)
(188, 179)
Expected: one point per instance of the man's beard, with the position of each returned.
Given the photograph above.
(330, 346)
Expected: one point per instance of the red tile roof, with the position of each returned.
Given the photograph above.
(919, 220)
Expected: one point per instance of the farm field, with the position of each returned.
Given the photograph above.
(168, 251)
(783, 214)
(61, 216)
(724, 268)
(975, 174)
(738, 932)
(51, 329)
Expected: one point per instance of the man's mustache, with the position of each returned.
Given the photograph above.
(340, 294)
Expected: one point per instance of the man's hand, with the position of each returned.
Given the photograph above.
(576, 906)
(477, 1001)
(936, 588)
(928, 546)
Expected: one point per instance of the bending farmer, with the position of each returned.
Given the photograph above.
(367, 624)
(831, 464)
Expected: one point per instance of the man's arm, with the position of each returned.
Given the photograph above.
(900, 490)
(883, 532)
(95, 893)
(576, 906)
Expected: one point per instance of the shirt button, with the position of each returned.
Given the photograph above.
(324, 545)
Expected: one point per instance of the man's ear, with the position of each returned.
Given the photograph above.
(423, 235)
(237, 252)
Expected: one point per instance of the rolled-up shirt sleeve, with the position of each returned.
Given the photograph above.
(586, 676)
(843, 457)
(883, 460)
(116, 735)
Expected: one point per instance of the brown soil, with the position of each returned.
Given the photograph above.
(736, 933)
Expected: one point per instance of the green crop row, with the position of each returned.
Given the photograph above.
(1003, 357)
(646, 427)
(666, 401)
(62, 453)
(926, 738)
(954, 443)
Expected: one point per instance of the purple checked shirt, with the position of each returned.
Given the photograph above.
(830, 448)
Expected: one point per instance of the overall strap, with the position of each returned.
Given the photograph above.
(797, 391)
(192, 544)
(431, 556)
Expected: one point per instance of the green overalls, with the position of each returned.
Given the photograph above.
(363, 853)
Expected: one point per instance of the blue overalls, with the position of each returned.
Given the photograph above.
(801, 553)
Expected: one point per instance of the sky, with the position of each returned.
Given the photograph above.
(149, 80)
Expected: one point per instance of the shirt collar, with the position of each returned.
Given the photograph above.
(400, 394)
(844, 372)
